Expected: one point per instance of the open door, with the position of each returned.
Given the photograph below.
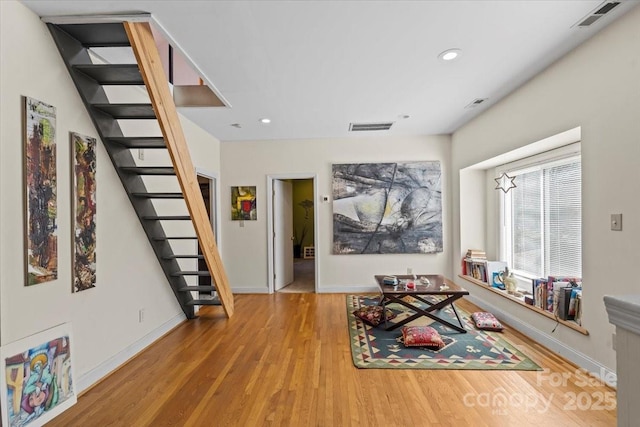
(282, 233)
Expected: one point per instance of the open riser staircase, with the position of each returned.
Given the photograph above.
(172, 186)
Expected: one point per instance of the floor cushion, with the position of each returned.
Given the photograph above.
(372, 314)
(486, 321)
(422, 336)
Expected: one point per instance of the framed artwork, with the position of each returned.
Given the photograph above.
(38, 379)
(41, 192)
(243, 203)
(84, 211)
(387, 208)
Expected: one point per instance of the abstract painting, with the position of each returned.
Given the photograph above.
(243, 203)
(38, 380)
(41, 192)
(84, 211)
(387, 208)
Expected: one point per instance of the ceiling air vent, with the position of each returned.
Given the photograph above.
(476, 102)
(360, 127)
(599, 13)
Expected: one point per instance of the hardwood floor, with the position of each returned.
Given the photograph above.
(285, 359)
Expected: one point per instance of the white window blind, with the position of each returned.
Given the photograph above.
(544, 219)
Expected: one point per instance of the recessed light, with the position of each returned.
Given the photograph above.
(265, 121)
(449, 54)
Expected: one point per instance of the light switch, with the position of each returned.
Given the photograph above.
(616, 222)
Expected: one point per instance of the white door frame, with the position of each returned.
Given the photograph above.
(270, 251)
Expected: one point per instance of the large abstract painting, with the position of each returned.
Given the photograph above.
(243, 203)
(41, 193)
(37, 381)
(387, 208)
(84, 211)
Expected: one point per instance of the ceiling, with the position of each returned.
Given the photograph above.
(313, 67)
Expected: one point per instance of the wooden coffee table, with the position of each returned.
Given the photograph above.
(438, 286)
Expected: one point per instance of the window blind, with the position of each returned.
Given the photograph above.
(546, 218)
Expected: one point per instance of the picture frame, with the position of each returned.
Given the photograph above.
(83, 202)
(38, 380)
(243, 203)
(40, 191)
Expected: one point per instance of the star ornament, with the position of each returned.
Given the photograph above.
(505, 182)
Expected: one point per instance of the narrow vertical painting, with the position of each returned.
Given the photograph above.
(38, 381)
(387, 208)
(84, 211)
(243, 203)
(41, 192)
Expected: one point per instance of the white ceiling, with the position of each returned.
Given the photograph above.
(313, 67)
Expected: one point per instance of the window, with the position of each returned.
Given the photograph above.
(542, 216)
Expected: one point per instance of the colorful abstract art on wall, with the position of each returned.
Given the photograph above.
(37, 381)
(243, 203)
(41, 192)
(84, 210)
(387, 208)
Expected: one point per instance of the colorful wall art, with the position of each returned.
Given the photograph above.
(84, 211)
(37, 381)
(41, 192)
(387, 208)
(243, 203)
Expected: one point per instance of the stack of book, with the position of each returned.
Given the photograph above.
(559, 295)
(474, 264)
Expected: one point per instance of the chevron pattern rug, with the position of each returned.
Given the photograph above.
(374, 347)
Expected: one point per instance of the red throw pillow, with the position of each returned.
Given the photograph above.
(372, 314)
(422, 336)
(486, 321)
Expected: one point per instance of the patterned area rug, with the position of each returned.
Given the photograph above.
(374, 347)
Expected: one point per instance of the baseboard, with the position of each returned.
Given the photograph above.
(96, 374)
(347, 289)
(250, 290)
(580, 359)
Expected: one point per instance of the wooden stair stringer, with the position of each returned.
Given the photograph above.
(150, 65)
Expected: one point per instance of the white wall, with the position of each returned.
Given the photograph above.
(249, 163)
(597, 87)
(105, 318)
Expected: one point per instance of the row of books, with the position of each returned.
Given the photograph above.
(560, 295)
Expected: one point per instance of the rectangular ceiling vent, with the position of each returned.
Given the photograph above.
(476, 102)
(361, 127)
(599, 13)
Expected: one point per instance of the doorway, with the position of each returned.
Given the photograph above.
(292, 227)
(208, 188)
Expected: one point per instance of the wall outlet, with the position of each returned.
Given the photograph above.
(409, 270)
(141, 315)
(613, 341)
(141, 153)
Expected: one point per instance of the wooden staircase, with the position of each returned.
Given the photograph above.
(91, 78)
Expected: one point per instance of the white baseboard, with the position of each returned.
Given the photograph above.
(580, 359)
(93, 376)
(250, 290)
(347, 289)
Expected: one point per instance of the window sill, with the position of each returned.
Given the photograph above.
(568, 323)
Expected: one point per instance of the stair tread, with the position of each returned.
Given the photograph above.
(167, 217)
(191, 273)
(112, 74)
(98, 35)
(127, 111)
(158, 195)
(149, 170)
(139, 142)
(215, 301)
(183, 257)
(197, 288)
(175, 238)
